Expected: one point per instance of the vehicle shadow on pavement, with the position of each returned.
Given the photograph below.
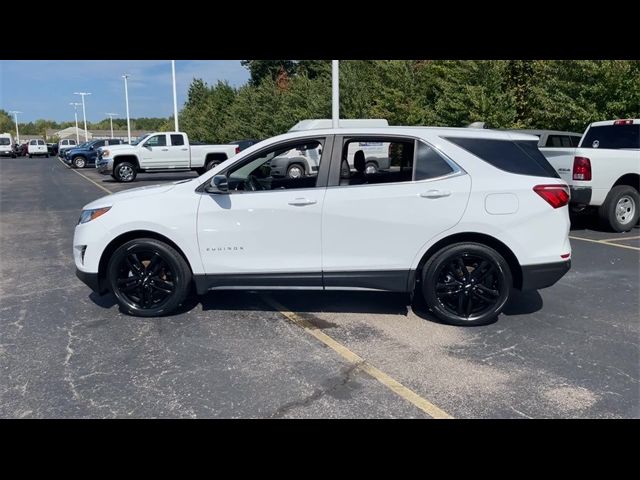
(590, 221)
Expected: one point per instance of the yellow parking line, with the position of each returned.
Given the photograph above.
(619, 239)
(389, 382)
(602, 242)
(86, 178)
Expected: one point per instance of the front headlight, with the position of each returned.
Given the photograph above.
(88, 215)
(104, 153)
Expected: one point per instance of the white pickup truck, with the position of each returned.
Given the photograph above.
(160, 152)
(604, 171)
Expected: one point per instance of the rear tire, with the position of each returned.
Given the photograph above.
(148, 277)
(620, 210)
(124, 172)
(295, 170)
(473, 295)
(211, 164)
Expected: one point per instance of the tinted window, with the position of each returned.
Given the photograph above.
(114, 142)
(430, 164)
(575, 140)
(177, 140)
(371, 160)
(40, 142)
(293, 166)
(558, 141)
(5, 141)
(521, 157)
(157, 141)
(33, 142)
(612, 136)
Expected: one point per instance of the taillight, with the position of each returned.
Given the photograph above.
(237, 150)
(556, 195)
(623, 122)
(581, 168)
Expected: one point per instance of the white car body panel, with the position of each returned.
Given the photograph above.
(37, 147)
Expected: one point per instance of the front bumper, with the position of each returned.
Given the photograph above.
(544, 275)
(91, 280)
(6, 153)
(104, 166)
(580, 195)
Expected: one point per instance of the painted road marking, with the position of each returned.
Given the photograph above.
(602, 242)
(389, 382)
(86, 178)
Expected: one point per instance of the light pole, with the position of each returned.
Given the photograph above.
(126, 99)
(175, 100)
(335, 93)
(75, 114)
(84, 114)
(15, 116)
(111, 115)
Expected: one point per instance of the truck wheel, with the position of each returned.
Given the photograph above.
(79, 162)
(295, 170)
(125, 172)
(620, 209)
(212, 164)
(370, 168)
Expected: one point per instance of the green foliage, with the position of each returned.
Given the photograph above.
(6, 122)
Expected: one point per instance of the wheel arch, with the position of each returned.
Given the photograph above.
(126, 158)
(215, 157)
(630, 179)
(125, 237)
(488, 240)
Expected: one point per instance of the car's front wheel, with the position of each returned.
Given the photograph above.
(148, 277)
(466, 284)
(79, 162)
(124, 172)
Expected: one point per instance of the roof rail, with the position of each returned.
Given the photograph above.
(320, 123)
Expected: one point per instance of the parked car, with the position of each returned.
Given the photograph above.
(160, 152)
(52, 148)
(7, 146)
(21, 150)
(65, 145)
(86, 154)
(461, 217)
(604, 172)
(37, 147)
(244, 144)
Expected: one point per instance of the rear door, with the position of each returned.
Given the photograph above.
(178, 151)
(374, 224)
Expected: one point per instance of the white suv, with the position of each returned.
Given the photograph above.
(461, 216)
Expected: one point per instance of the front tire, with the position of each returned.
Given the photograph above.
(79, 162)
(295, 170)
(148, 278)
(466, 284)
(124, 172)
(620, 210)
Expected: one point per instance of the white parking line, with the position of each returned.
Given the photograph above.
(602, 242)
(86, 178)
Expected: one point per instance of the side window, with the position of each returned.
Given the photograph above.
(114, 141)
(575, 141)
(177, 139)
(430, 164)
(40, 142)
(72, 142)
(376, 160)
(157, 141)
(285, 167)
(33, 142)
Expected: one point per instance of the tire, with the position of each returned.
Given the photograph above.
(124, 172)
(79, 162)
(295, 170)
(212, 164)
(458, 297)
(370, 168)
(30, 156)
(148, 278)
(620, 210)
(47, 155)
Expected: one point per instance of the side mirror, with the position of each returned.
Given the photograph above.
(219, 185)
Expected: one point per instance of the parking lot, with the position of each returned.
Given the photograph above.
(568, 351)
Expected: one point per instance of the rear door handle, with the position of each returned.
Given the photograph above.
(301, 202)
(184, 149)
(435, 193)
(165, 149)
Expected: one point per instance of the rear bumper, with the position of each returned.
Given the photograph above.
(544, 275)
(91, 280)
(580, 195)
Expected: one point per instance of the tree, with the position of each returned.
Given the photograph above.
(268, 69)
(6, 122)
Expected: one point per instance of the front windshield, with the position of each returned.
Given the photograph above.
(5, 141)
(144, 137)
(82, 145)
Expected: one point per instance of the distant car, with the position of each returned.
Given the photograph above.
(6, 145)
(554, 138)
(86, 154)
(246, 143)
(37, 147)
(65, 145)
(21, 150)
(52, 148)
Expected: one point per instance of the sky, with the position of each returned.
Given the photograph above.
(44, 88)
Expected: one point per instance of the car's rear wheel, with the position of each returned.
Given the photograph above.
(148, 277)
(621, 208)
(295, 171)
(466, 284)
(212, 164)
(370, 168)
(124, 172)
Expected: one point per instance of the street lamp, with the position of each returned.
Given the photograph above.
(75, 114)
(111, 115)
(15, 116)
(84, 114)
(126, 99)
(335, 93)
(175, 100)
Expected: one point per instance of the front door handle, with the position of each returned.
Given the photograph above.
(301, 202)
(165, 150)
(184, 149)
(435, 193)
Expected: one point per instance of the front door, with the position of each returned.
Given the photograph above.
(155, 153)
(266, 229)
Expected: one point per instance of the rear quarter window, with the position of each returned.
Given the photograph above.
(521, 157)
(612, 137)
